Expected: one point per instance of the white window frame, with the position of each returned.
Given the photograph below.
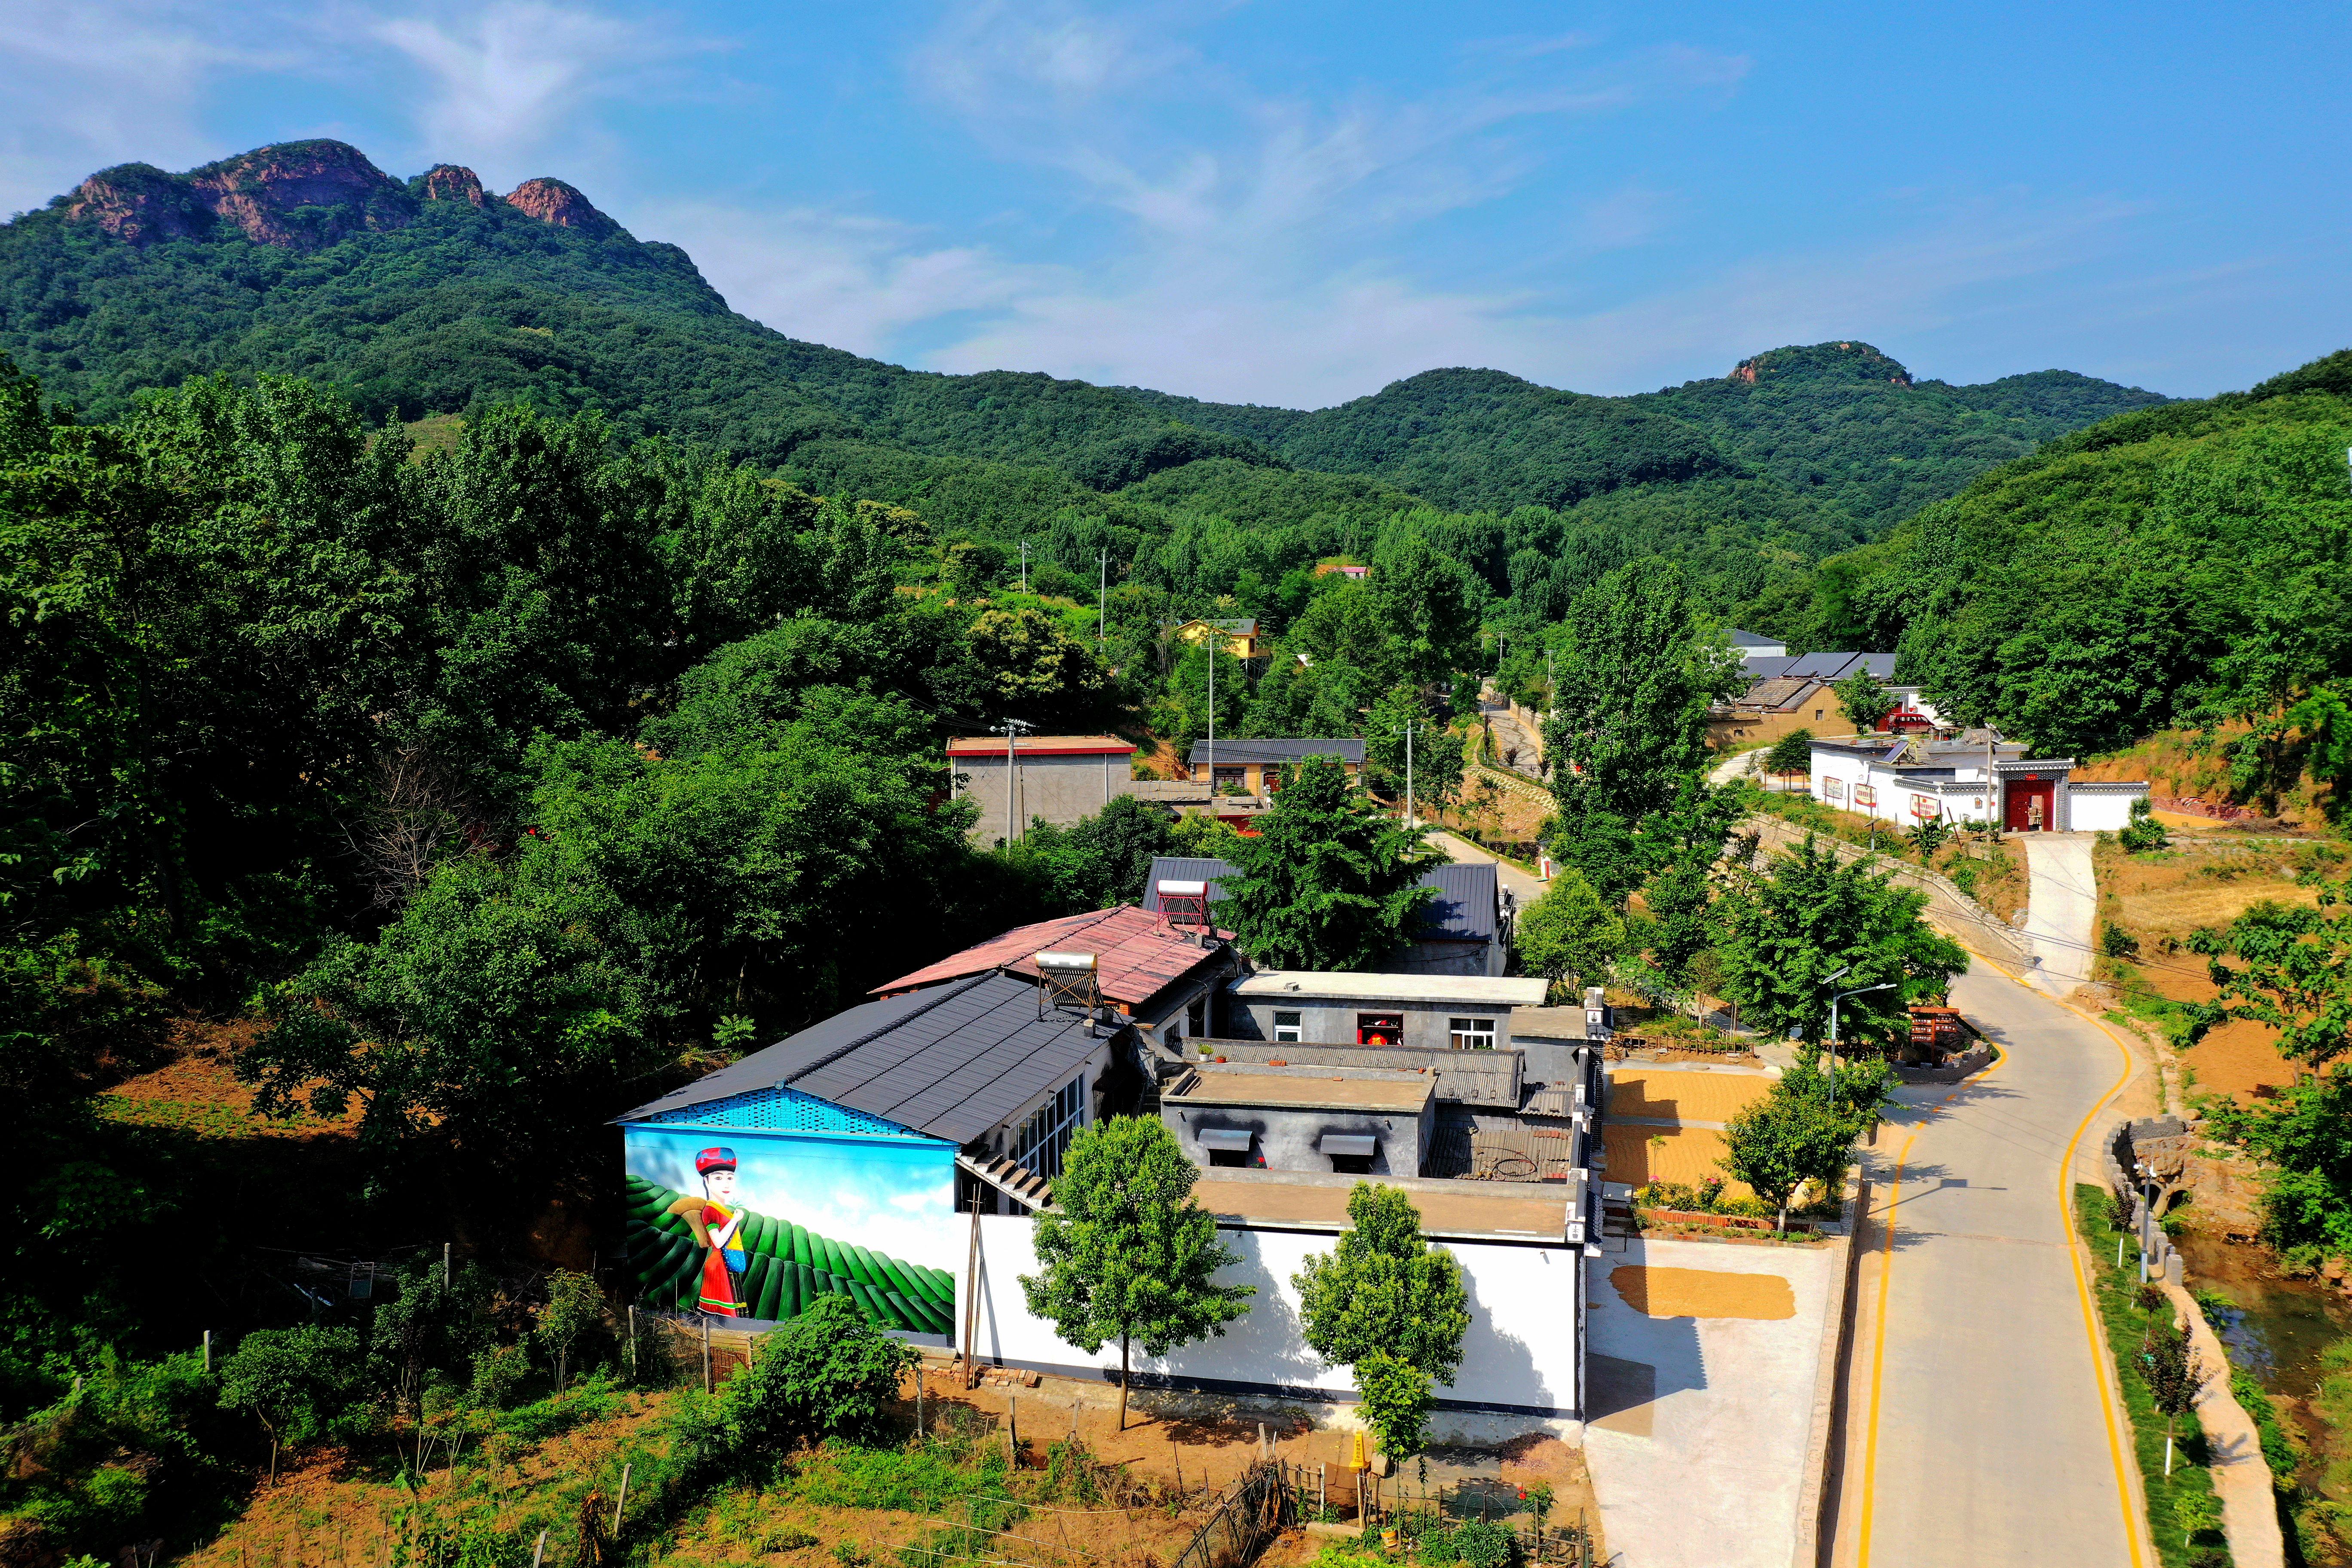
(1045, 1138)
(1470, 1034)
(1290, 1033)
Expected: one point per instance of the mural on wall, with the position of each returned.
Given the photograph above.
(751, 1227)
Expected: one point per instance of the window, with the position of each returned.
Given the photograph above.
(1285, 1029)
(1379, 1029)
(1229, 1146)
(1235, 776)
(1196, 1016)
(1833, 789)
(1864, 794)
(1817, 713)
(1472, 1033)
(1046, 1137)
(1232, 1157)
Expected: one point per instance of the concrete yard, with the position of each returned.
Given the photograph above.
(1701, 1417)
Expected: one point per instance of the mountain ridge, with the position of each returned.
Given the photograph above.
(432, 296)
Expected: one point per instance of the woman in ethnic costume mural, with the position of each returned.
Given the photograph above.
(717, 1225)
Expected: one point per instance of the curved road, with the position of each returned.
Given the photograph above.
(1978, 1426)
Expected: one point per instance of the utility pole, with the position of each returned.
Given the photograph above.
(1212, 720)
(1012, 783)
(1102, 600)
(1408, 773)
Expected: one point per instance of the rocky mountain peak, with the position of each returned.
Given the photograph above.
(453, 183)
(297, 194)
(552, 201)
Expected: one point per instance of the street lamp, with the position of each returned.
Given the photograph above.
(1864, 991)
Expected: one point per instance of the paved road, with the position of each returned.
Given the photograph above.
(1461, 852)
(1977, 1428)
(2061, 908)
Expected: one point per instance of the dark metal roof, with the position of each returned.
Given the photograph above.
(1463, 911)
(1739, 638)
(1234, 751)
(954, 1061)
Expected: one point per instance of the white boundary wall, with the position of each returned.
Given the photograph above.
(1522, 1356)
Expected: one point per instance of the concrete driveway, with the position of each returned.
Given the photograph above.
(1701, 1363)
(2062, 908)
(1979, 1428)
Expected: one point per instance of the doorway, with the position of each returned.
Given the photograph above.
(2031, 805)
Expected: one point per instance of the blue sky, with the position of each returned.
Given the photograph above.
(1297, 203)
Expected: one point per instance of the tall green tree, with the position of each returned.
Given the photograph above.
(1126, 1252)
(1783, 930)
(1430, 601)
(296, 1383)
(1636, 666)
(1382, 1287)
(1431, 764)
(1570, 931)
(1329, 882)
(1780, 1143)
(1866, 702)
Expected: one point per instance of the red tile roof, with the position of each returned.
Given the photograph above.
(1136, 954)
(1042, 746)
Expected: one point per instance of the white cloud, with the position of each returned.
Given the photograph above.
(847, 281)
(92, 85)
(508, 79)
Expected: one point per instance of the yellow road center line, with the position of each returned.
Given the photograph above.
(1885, 1275)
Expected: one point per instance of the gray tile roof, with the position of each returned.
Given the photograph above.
(1464, 910)
(1234, 753)
(954, 1062)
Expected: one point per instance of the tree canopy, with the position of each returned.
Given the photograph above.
(1328, 882)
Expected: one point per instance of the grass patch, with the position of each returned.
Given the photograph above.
(2186, 1495)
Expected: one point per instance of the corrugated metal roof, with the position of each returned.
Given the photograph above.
(1463, 911)
(1136, 955)
(954, 1061)
(1232, 751)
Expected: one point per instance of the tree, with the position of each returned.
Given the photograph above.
(1436, 754)
(2175, 1375)
(1034, 668)
(1791, 754)
(1782, 933)
(1865, 701)
(1328, 882)
(1106, 858)
(575, 1308)
(1636, 670)
(1570, 931)
(1777, 1143)
(1430, 601)
(2305, 1135)
(1384, 1290)
(825, 1371)
(295, 1382)
(1394, 1396)
(1127, 1252)
(434, 1323)
(2294, 975)
(1681, 900)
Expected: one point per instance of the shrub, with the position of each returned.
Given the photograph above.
(2143, 835)
(1484, 1544)
(2117, 942)
(827, 1372)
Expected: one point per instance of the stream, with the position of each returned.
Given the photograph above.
(2280, 1325)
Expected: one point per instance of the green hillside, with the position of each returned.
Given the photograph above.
(430, 297)
(1839, 427)
(2169, 566)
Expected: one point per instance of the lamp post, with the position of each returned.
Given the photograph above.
(1833, 1012)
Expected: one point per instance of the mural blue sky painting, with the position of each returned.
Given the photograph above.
(1297, 203)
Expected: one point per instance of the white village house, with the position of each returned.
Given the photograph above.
(1976, 776)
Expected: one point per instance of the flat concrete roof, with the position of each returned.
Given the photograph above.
(1207, 1087)
(1469, 990)
(1476, 1210)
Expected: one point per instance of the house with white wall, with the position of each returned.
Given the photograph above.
(1973, 777)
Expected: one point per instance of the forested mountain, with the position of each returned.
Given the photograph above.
(2174, 565)
(431, 295)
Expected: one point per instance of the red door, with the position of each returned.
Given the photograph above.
(2031, 806)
